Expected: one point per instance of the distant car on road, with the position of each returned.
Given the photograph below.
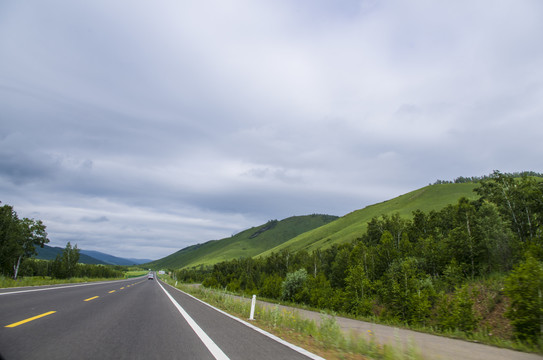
(150, 276)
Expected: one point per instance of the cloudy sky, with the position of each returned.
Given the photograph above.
(138, 127)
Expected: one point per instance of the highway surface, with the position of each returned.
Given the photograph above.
(127, 319)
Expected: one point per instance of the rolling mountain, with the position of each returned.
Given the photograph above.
(112, 260)
(87, 256)
(51, 252)
(275, 236)
(250, 242)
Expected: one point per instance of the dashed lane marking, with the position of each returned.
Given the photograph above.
(29, 319)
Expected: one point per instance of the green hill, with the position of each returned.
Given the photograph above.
(248, 243)
(312, 232)
(354, 224)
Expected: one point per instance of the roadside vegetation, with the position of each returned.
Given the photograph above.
(40, 272)
(323, 338)
(472, 269)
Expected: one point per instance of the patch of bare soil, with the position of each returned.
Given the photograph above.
(490, 306)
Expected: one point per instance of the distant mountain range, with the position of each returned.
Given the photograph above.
(113, 260)
(88, 256)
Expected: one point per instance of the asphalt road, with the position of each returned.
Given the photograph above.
(128, 319)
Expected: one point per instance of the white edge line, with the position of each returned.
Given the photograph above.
(263, 332)
(211, 346)
(61, 287)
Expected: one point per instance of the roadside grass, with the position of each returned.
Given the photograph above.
(324, 338)
(6, 282)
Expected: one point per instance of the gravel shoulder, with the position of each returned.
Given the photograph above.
(430, 346)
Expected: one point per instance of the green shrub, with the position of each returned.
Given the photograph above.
(524, 286)
(457, 313)
(271, 287)
(294, 285)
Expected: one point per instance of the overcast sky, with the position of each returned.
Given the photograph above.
(139, 127)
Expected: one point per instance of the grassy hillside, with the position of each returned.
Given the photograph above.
(247, 243)
(353, 225)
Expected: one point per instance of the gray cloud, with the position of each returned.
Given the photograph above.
(95, 220)
(138, 129)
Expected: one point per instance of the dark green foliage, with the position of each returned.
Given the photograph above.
(321, 293)
(338, 270)
(271, 286)
(18, 239)
(38, 267)
(193, 275)
(524, 287)
(65, 264)
(359, 291)
(407, 291)
(520, 201)
(476, 179)
(453, 275)
(456, 312)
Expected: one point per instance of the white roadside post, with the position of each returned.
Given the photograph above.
(253, 304)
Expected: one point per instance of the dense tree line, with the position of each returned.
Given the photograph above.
(415, 269)
(476, 179)
(51, 268)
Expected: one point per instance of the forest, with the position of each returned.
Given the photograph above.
(444, 269)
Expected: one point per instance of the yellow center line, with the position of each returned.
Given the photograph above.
(112, 291)
(92, 298)
(122, 288)
(30, 319)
